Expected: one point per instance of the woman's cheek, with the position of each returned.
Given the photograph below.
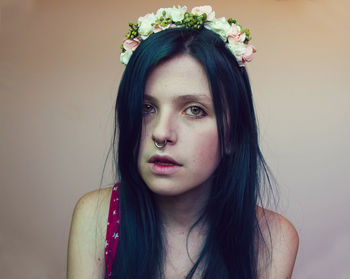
(207, 147)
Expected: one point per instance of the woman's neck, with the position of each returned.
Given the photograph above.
(183, 243)
(180, 212)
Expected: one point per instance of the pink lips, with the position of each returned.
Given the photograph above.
(163, 159)
(163, 165)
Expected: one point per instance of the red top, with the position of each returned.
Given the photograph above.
(112, 235)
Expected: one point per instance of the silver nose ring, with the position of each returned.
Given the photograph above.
(161, 145)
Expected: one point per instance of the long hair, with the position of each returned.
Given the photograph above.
(230, 248)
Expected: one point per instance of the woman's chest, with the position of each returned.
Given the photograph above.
(181, 255)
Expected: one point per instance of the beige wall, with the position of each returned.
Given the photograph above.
(59, 70)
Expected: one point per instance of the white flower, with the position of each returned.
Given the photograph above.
(125, 56)
(163, 12)
(204, 9)
(177, 14)
(145, 25)
(166, 18)
(160, 11)
(220, 26)
(238, 49)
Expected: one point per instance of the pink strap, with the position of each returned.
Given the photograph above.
(112, 235)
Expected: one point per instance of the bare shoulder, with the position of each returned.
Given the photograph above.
(92, 209)
(87, 235)
(92, 201)
(282, 242)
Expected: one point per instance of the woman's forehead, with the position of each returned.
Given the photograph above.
(181, 75)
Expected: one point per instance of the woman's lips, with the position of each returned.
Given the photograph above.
(163, 165)
(160, 169)
(164, 160)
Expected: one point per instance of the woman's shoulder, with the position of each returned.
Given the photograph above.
(275, 221)
(93, 205)
(283, 242)
(87, 234)
(89, 200)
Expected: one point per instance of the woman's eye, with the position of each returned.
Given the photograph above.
(195, 111)
(147, 108)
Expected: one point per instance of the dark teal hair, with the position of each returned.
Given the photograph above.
(230, 249)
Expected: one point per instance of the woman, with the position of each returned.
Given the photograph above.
(189, 163)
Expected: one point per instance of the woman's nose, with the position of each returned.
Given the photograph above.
(165, 128)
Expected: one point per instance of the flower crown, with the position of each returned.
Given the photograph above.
(236, 38)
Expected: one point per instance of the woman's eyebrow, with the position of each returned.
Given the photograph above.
(184, 98)
(190, 98)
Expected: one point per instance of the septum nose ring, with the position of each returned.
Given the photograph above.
(160, 146)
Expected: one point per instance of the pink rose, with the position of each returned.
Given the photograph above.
(248, 54)
(235, 34)
(131, 44)
(204, 9)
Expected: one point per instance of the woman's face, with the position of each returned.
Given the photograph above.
(178, 108)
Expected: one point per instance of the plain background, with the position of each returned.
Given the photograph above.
(59, 74)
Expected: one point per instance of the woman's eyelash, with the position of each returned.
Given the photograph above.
(148, 108)
(193, 111)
